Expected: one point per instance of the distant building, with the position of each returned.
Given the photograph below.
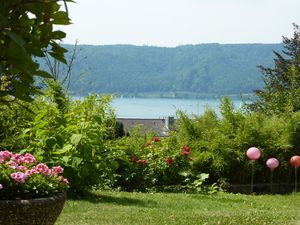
(161, 127)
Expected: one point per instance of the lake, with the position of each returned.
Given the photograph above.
(162, 107)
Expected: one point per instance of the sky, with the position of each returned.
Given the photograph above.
(169, 23)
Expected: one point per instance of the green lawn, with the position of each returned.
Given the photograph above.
(180, 209)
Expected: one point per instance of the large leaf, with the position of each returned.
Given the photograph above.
(17, 39)
(76, 162)
(61, 18)
(76, 138)
(58, 35)
(50, 142)
(65, 149)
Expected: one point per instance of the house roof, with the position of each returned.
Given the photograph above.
(158, 126)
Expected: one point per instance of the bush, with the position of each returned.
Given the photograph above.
(74, 136)
(219, 143)
(146, 162)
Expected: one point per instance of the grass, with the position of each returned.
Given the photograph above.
(121, 208)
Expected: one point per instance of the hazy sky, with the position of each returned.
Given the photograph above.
(178, 22)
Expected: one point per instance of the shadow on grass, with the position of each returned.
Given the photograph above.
(118, 200)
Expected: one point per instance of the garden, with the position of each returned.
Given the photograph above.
(52, 144)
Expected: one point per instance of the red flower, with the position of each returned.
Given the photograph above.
(134, 158)
(169, 161)
(148, 143)
(155, 139)
(142, 162)
(186, 150)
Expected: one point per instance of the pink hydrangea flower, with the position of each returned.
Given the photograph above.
(23, 168)
(18, 158)
(19, 177)
(12, 164)
(31, 172)
(64, 180)
(5, 154)
(28, 159)
(57, 170)
(42, 168)
(28, 173)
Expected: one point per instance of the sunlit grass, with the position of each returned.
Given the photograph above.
(180, 209)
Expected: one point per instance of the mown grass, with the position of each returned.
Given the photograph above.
(112, 208)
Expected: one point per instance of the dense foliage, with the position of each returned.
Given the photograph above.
(191, 70)
(26, 33)
(282, 83)
(73, 135)
(219, 144)
(152, 163)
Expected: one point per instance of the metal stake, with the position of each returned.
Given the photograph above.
(252, 174)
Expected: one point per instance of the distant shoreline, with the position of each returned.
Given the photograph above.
(181, 95)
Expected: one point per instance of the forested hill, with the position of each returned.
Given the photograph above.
(188, 70)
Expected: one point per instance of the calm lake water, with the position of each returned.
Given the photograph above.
(161, 107)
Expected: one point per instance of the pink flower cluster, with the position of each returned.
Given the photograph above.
(19, 177)
(25, 166)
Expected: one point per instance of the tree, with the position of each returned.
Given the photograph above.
(26, 33)
(282, 83)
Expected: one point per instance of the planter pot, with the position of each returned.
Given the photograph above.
(39, 211)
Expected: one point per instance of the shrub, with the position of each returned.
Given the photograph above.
(219, 143)
(146, 162)
(73, 137)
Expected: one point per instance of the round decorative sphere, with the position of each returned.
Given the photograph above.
(295, 161)
(272, 163)
(253, 153)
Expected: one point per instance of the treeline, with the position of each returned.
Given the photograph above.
(189, 70)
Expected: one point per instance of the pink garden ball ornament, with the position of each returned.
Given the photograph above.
(272, 163)
(253, 153)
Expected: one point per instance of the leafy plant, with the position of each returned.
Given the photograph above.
(74, 137)
(22, 177)
(26, 34)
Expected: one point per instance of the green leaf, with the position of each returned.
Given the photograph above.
(59, 57)
(203, 176)
(44, 74)
(61, 18)
(66, 159)
(76, 162)
(15, 51)
(76, 138)
(17, 39)
(25, 133)
(50, 142)
(63, 150)
(58, 35)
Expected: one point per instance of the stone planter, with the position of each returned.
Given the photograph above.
(39, 211)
